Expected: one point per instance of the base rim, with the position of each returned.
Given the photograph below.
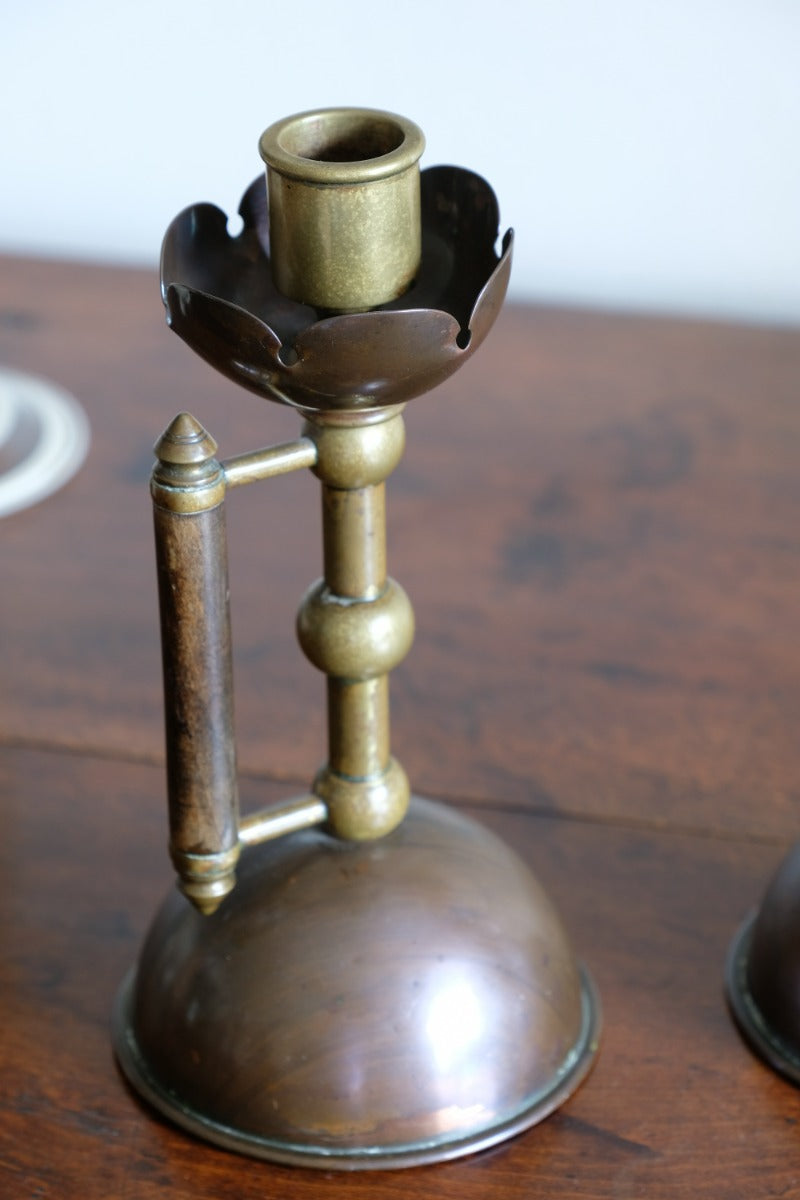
(758, 1034)
(570, 1074)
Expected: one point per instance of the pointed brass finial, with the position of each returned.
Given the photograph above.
(187, 477)
(206, 879)
(185, 442)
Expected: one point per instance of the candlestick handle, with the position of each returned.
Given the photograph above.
(188, 490)
(355, 624)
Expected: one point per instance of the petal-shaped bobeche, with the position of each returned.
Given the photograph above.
(220, 298)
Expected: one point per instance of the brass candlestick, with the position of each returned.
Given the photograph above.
(388, 985)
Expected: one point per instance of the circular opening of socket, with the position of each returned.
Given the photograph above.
(342, 145)
(342, 137)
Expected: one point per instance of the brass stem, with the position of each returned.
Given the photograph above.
(358, 727)
(354, 540)
(357, 624)
(354, 548)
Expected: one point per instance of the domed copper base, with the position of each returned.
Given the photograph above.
(380, 1004)
(763, 973)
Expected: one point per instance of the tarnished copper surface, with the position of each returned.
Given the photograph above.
(763, 976)
(221, 299)
(389, 1003)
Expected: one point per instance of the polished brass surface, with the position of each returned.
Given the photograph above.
(344, 206)
(356, 449)
(361, 809)
(385, 985)
(269, 462)
(356, 624)
(186, 477)
(359, 639)
(358, 737)
(763, 972)
(417, 999)
(282, 819)
(354, 517)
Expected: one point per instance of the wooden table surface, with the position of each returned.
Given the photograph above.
(598, 521)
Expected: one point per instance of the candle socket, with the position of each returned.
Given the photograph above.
(344, 206)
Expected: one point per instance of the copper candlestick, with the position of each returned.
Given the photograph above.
(358, 977)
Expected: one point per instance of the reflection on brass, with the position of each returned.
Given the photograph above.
(281, 819)
(271, 461)
(356, 977)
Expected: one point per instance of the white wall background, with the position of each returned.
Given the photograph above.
(647, 151)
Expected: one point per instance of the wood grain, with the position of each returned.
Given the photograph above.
(597, 522)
